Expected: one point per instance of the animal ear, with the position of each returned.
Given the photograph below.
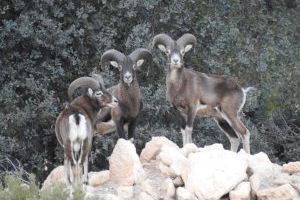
(90, 92)
(138, 64)
(115, 64)
(162, 48)
(188, 47)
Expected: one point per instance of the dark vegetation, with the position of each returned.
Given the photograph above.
(45, 44)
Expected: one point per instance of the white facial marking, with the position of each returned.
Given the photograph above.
(188, 47)
(162, 48)
(114, 63)
(90, 92)
(139, 62)
(175, 59)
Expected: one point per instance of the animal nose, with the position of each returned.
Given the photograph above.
(175, 60)
(127, 76)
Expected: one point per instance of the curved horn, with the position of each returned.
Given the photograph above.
(140, 53)
(83, 82)
(186, 39)
(112, 55)
(163, 39)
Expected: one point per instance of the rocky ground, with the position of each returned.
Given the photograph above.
(165, 171)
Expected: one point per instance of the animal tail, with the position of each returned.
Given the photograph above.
(247, 89)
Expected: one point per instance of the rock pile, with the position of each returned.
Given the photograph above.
(165, 171)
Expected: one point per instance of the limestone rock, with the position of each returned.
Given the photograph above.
(189, 148)
(56, 175)
(292, 167)
(125, 192)
(284, 192)
(145, 196)
(184, 194)
(178, 181)
(98, 178)
(295, 181)
(124, 164)
(166, 170)
(241, 192)
(213, 173)
(168, 189)
(172, 157)
(153, 147)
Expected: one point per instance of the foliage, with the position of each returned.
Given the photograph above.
(45, 44)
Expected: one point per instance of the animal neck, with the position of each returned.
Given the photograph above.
(90, 106)
(174, 75)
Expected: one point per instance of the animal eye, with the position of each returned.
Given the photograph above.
(168, 51)
(182, 51)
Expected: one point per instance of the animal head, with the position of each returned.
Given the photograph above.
(175, 50)
(103, 98)
(127, 65)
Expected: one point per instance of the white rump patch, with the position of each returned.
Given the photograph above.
(77, 131)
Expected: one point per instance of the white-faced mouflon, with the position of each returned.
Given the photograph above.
(75, 126)
(194, 93)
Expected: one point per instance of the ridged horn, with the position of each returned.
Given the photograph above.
(186, 39)
(83, 82)
(112, 55)
(163, 39)
(140, 53)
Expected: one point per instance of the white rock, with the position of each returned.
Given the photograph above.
(56, 175)
(124, 164)
(295, 181)
(284, 192)
(292, 167)
(98, 178)
(241, 192)
(260, 163)
(213, 173)
(172, 157)
(166, 170)
(153, 147)
(211, 147)
(184, 194)
(147, 187)
(145, 196)
(178, 181)
(189, 148)
(125, 192)
(168, 189)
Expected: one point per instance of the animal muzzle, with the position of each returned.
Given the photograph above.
(114, 102)
(127, 78)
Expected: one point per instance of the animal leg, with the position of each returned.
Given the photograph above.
(229, 132)
(120, 128)
(131, 129)
(182, 128)
(189, 124)
(85, 170)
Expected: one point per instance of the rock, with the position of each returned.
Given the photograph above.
(168, 189)
(260, 163)
(98, 178)
(56, 175)
(125, 192)
(184, 194)
(284, 192)
(292, 167)
(172, 157)
(211, 147)
(145, 196)
(178, 181)
(124, 164)
(241, 192)
(153, 147)
(189, 148)
(213, 173)
(147, 187)
(295, 181)
(166, 170)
